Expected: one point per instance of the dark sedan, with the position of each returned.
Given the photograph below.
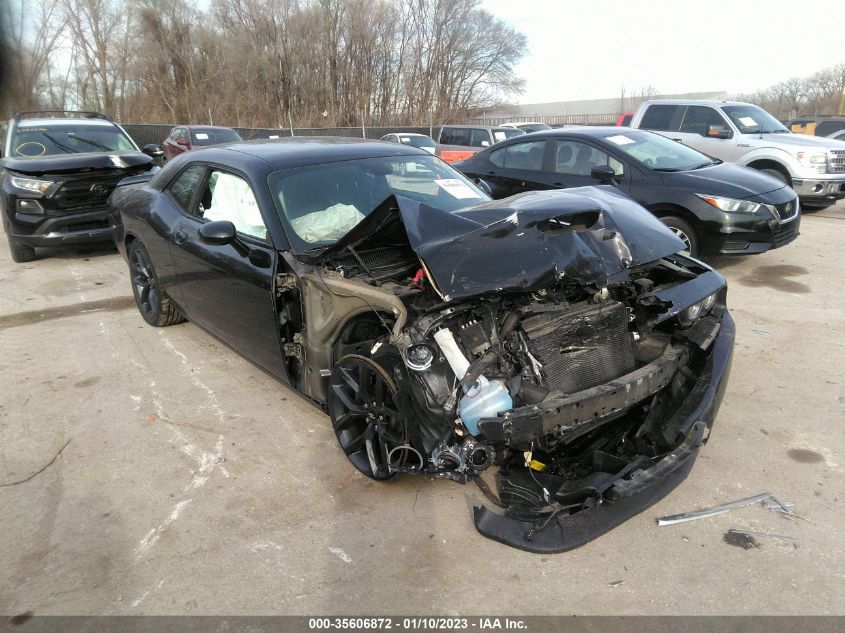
(185, 138)
(714, 207)
(558, 337)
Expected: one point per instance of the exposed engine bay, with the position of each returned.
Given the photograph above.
(568, 378)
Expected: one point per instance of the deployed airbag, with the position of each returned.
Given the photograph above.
(327, 225)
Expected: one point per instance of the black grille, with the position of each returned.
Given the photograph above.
(582, 347)
(85, 226)
(87, 193)
(787, 210)
(785, 233)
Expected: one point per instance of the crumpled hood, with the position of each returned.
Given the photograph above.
(74, 163)
(724, 179)
(530, 240)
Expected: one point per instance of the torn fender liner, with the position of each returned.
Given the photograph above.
(566, 532)
(525, 241)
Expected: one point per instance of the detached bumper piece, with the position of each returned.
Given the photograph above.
(614, 498)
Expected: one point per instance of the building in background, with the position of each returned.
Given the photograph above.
(587, 112)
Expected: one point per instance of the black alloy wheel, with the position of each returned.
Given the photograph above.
(153, 303)
(365, 418)
(685, 231)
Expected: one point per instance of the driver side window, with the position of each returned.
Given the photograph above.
(578, 159)
(228, 197)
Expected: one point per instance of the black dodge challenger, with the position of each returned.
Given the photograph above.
(557, 339)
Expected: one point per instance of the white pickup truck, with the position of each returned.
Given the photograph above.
(746, 134)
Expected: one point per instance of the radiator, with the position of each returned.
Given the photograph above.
(582, 346)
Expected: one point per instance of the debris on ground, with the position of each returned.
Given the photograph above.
(781, 537)
(616, 583)
(740, 539)
(714, 511)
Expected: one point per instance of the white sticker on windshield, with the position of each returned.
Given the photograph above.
(747, 121)
(456, 188)
(202, 136)
(621, 139)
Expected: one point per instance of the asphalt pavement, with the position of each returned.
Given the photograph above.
(154, 471)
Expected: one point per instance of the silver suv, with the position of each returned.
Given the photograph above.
(746, 134)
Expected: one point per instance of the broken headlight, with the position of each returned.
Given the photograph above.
(730, 205)
(690, 315)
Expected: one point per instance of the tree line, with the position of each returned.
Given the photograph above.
(260, 63)
(822, 92)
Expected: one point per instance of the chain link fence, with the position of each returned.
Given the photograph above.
(145, 133)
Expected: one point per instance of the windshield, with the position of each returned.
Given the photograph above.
(503, 133)
(322, 203)
(206, 136)
(751, 119)
(45, 140)
(417, 141)
(658, 152)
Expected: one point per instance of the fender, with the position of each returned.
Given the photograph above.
(776, 155)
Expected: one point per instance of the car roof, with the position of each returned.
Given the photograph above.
(476, 127)
(707, 102)
(56, 122)
(595, 131)
(309, 150)
(206, 127)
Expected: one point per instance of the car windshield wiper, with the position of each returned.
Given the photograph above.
(105, 148)
(707, 164)
(668, 169)
(59, 144)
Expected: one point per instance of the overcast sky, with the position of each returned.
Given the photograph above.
(589, 49)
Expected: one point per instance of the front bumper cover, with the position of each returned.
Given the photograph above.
(635, 492)
(61, 230)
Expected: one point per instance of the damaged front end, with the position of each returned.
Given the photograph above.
(556, 336)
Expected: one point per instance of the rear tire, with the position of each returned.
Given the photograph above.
(153, 303)
(21, 253)
(684, 230)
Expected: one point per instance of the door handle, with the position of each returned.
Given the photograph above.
(179, 236)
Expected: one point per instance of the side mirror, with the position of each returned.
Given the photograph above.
(218, 233)
(604, 173)
(152, 150)
(182, 141)
(223, 232)
(485, 143)
(484, 186)
(718, 131)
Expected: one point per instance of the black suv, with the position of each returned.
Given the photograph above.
(57, 171)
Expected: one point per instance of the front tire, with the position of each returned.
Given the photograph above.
(153, 303)
(685, 231)
(365, 416)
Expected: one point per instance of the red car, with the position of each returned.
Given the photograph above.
(185, 138)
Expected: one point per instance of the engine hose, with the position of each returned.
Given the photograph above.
(476, 368)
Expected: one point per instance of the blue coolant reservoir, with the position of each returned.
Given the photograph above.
(484, 400)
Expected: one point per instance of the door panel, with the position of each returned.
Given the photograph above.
(516, 168)
(694, 128)
(221, 290)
